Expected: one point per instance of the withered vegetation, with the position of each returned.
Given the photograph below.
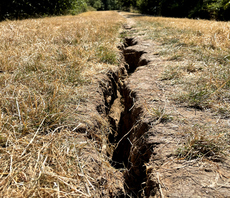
(45, 67)
(196, 56)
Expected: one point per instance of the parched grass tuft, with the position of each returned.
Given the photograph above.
(204, 141)
(45, 66)
(171, 73)
(160, 115)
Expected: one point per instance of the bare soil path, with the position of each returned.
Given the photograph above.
(152, 128)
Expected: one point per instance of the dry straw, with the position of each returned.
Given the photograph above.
(45, 66)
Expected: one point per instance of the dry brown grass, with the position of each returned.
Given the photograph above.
(197, 32)
(197, 67)
(204, 141)
(199, 51)
(45, 65)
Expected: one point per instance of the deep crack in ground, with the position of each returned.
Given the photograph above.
(146, 144)
(131, 151)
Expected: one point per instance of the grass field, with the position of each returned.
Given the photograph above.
(45, 66)
(203, 49)
(197, 65)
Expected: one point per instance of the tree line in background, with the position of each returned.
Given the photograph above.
(18, 9)
(21, 9)
(207, 9)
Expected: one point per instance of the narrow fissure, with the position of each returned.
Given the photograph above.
(131, 56)
(131, 150)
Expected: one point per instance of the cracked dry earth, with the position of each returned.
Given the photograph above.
(144, 145)
(147, 145)
(166, 174)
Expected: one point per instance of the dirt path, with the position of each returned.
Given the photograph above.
(152, 127)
